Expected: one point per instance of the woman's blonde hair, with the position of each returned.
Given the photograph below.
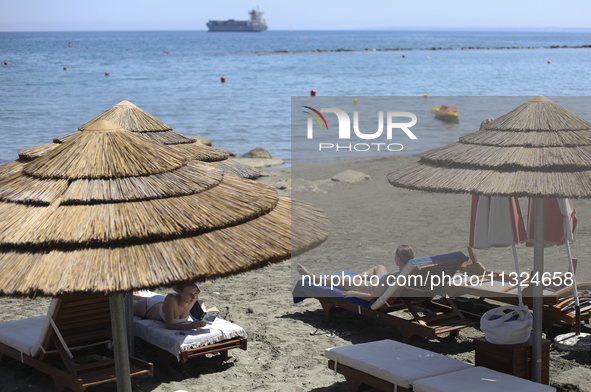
(179, 287)
(405, 253)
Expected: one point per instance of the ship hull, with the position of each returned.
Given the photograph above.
(216, 26)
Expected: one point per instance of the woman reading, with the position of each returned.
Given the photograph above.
(172, 309)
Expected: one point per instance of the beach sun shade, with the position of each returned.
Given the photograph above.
(540, 149)
(110, 211)
(132, 216)
(130, 117)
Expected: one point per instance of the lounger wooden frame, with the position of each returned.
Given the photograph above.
(166, 358)
(359, 381)
(447, 318)
(553, 304)
(82, 328)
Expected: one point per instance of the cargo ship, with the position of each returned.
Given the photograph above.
(256, 24)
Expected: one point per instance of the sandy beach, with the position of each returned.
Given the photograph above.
(369, 219)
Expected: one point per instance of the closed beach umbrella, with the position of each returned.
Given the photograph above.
(540, 149)
(130, 117)
(560, 221)
(560, 227)
(496, 221)
(110, 211)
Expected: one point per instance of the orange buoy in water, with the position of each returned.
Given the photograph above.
(6, 63)
(259, 54)
(126, 48)
(306, 41)
(223, 79)
(106, 74)
(87, 47)
(65, 68)
(403, 56)
(76, 46)
(549, 62)
(313, 93)
(166, 51)
(69, 45)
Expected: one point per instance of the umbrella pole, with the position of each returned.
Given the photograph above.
(129, 322)
(538, 300)
(518, 275)
(575, 290)
(122, 369)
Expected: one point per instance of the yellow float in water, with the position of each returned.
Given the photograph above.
(446, 113)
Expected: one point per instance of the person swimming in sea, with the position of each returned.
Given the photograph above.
(365, 289)
(172, 309)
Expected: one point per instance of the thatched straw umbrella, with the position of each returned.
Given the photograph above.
(130, 117)
(538, 150)
(110, 211)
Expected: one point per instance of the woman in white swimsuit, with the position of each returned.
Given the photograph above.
(365, 290)
(172, 309)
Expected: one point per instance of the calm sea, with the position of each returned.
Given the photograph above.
(39, 100)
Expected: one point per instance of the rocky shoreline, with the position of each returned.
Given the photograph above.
(433, 48)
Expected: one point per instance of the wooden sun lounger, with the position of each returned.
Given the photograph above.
(74, 328)
(441, 318)
(393, 366)
(558, 301)
(169, 345)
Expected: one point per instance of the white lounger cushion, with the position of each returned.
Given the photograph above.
(155, 332)
(27, 335)
(478, 379)
(23, 334)
(395, 362)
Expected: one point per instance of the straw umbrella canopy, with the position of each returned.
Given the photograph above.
(110, 211)
(112, 198)
(130, 117)
(540, 149)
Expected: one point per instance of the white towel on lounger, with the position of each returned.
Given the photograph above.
(155, 332)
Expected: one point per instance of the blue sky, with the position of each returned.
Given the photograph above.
(105, 15)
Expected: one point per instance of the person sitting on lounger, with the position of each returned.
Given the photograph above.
(373, 282)
(172, 309)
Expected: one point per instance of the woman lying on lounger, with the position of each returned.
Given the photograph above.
(365, 289)
(172, 309)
